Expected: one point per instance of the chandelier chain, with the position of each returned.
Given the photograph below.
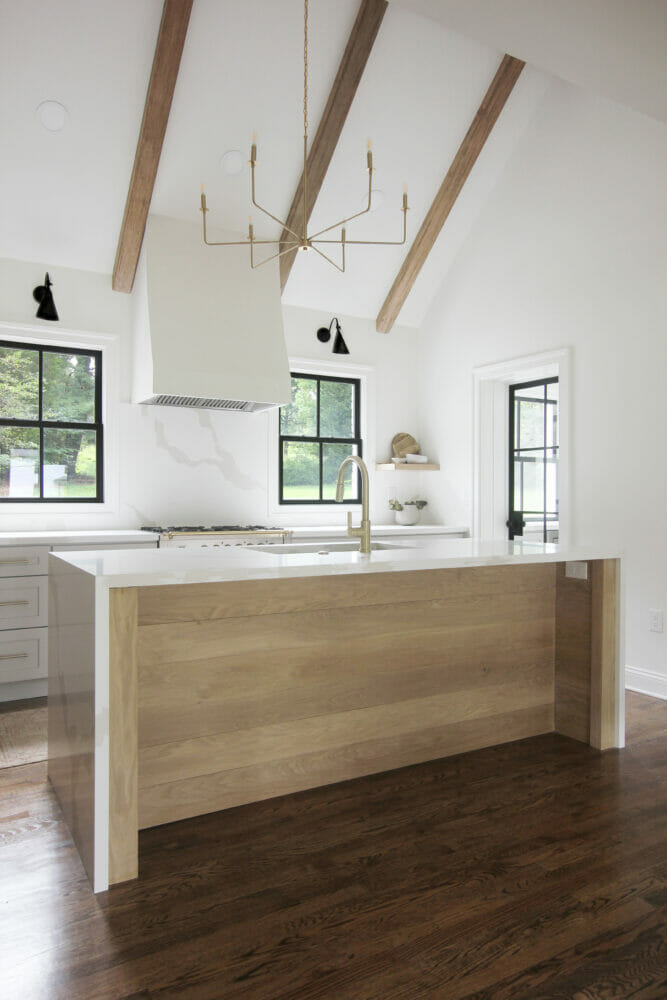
(305, 68)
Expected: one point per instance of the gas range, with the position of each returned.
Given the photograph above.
(217, 535)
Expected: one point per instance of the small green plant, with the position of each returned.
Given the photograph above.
(397, 505)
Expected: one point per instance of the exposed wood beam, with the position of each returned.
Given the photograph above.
(479, 131)
(342, 94)
(167, 59)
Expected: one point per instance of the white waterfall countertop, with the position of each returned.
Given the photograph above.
(158, 567)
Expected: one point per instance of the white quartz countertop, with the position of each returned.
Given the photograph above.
(379, 530)
(157, 567)
(92, 538)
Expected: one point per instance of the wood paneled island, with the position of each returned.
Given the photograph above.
(181, 684)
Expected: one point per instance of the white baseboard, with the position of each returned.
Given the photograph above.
(646, 682)
(20, 690)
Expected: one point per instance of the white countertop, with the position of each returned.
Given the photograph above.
(379, 530)
(151, 567)
(92, 538)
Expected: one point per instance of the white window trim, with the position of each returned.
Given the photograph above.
(109, 346)
(312, 513)
(491, 419)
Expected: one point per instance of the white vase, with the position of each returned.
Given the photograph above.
(409, 515)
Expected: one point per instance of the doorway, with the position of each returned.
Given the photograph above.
(491, 461)
(533, 460)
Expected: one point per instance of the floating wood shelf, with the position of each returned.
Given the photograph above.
(404, 466)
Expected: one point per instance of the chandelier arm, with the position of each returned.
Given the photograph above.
(349, 217)
(280, 253)
(275, 218)
(330, 261)
(236, 243)
(211, 243)
(370, 243)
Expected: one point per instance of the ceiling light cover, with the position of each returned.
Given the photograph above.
(52, 115)
(233, 162)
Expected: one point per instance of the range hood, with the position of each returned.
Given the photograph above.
(208, 330)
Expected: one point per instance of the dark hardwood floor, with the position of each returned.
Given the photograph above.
(530, 871)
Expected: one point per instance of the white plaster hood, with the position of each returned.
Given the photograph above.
(208, 330)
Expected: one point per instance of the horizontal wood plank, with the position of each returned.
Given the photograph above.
(341, 627)
(229, 693)
(263, 744)
(205, 601)
(224, 789)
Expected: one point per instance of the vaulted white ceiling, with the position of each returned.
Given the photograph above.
(62, 194)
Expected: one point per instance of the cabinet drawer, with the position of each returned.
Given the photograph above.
(23, 654)
(23, 560)
(24, 602)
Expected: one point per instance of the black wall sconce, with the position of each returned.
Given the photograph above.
(43, 295)
(324, 336)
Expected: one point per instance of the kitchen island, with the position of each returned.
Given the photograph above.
(182, 683)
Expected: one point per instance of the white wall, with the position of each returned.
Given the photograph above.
(198, 466)
(571, 250)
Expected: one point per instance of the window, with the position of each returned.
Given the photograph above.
(318, 429)
(50, 424)
(533, 466)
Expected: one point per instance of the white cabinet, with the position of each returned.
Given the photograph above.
(24, 560)
(104, 545)
(24, 613)
(24, 616)
(24, 602)
(23, 654)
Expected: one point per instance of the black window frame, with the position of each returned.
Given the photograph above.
(320, 440)
(545, 517)
(65, 425)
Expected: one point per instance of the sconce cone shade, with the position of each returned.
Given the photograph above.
(43, 295)
(339, 347)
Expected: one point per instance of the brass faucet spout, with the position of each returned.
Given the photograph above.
(363, 532)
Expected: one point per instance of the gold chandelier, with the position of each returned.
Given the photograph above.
(303, 240)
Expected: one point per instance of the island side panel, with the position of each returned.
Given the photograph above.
(71, 703)
(573, 655)
(587, 654)
(251, 690)
(605, 580)
(123, 726)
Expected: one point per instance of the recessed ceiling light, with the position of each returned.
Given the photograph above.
(377, 197)
(232, 162)
(52, 115)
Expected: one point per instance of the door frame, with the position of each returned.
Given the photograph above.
(491, 428)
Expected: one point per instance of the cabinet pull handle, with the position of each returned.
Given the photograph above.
(14, 562)
(13, 656)
(12, 604)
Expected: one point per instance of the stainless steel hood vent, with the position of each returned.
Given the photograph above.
(208, 330)
(207, 404)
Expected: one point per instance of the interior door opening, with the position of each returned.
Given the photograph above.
(533, 460)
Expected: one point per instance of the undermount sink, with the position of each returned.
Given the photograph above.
(320, 548)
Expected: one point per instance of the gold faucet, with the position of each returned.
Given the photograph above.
(363, 532)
